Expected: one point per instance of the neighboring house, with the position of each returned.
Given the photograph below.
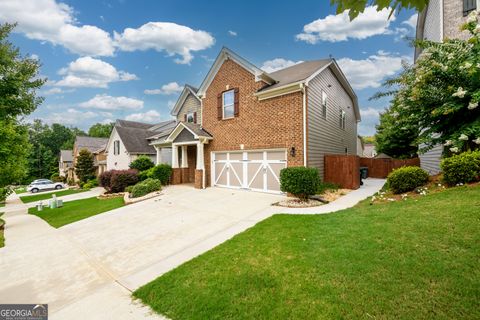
(441, 19)
(65, 162)
(88, 143)
(369, 151)
(100, 160)
(130, 139)
(243, 125)
(360, 146)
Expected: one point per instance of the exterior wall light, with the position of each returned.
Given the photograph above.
(292, 151)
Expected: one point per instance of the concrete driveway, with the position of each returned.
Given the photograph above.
(88, 269)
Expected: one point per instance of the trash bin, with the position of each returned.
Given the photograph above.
(364, 172)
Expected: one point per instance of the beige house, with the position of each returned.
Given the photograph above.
(93, 145)
(65, 162)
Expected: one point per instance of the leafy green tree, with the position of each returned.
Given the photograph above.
(368, 139)
(101, 130)
(356, 7)
(142, 163)
(19, 83)
(84, 168)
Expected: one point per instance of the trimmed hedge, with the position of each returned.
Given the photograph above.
(145, 187)
(300, 181)
(162, 172)
(142, 163)
(406, 179)
(117, 180)
(462, 168)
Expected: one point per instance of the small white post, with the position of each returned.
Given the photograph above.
(200, 157)
(184, 157)
(159, 151)
(174, 156)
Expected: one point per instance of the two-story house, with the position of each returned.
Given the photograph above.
(441, 19)
(243, 125)
(93, 145)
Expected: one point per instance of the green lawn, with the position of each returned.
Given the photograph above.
(76, 210)
(401, 260)
(20, 190)
(44, 196)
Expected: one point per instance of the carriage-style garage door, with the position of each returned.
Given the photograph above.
(252, 170)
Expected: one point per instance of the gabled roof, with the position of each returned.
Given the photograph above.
(187, 90)
(90, 143)
(196, 130)
(132, 124)
(225, 54)
(66, 155)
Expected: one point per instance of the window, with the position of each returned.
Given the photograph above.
(190, 117)
(116, 147)
(469, 6)
(343, 119)
(324, 105)
(228, 104)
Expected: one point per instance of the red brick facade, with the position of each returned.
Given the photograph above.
(267, 124)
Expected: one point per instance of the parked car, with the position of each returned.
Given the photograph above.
(44, 184)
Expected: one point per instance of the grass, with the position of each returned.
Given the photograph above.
(76, 210)
(44, 196)
(20, 190)
(413, 259)
(2, 235)
(327, 186)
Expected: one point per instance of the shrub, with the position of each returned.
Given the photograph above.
(4, 193)
(326, 186)
(145, 174)
(406, 179)
(300, 181)
(462, 168)
(145, 187)
(105, 178)
(142, 163)
(129, 189)
(90, 184)
(56, 178)
(122, 179)
(162, 172)
(84, 168)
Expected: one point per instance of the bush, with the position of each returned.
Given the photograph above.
(56, 178)
(300, 181)
(145, 187)
(326, 186)
(143, 175)
(462, 168)
(162, 172)
(142, 163)
(117, 180)
(90, 184)
(122, 179)
(406, 179)
(4, 193)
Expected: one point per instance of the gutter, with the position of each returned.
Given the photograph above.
(304, 92)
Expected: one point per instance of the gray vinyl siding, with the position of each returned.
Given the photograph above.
(325, 136)
(184, 136)
(430, 160)
(432, 29)
(191, 104)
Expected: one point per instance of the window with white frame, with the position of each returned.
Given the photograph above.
(116, 147)
(324, 104)
(343, 119)
(228, 104)
(190, 117)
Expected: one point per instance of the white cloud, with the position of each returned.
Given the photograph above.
(334, 28)
(412, 21)
(106, 102)
(232, 33)
(52, 91)
(370, 113)
(149, 116)
(69, 117)
(165, 36)
(277, 64)
(92, 73)
(34, 57)
(166, 89)
(370, 118)
(54, 22)
(370, 72)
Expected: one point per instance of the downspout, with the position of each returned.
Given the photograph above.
(304, 124)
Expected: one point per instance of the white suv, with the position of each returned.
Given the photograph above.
(44, 184)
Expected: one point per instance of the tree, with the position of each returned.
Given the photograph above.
(101, 130)
(356, 7)
(19, 82)
(84, 168)
(142, 163)
(438, 97)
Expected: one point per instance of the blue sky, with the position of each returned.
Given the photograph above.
(128, 59)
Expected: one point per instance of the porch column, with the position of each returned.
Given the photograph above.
(200, 169)
(174, 156)
(159, 151)
(184, 157)
(200, 157)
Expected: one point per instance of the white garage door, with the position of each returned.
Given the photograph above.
(252, 170)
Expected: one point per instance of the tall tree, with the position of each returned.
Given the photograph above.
(356, 7)
(19, 83)
(101, 130)
(84, 168)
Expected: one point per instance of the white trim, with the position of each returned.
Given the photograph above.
(175, 132)
(279, 91)
(232, 105)
(304, 110)
(224, 55)
(181, 100)
(316, 73)
(442, 34)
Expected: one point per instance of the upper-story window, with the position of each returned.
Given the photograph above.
(116, 147)
(228, 104)
(343, 119)
(191, 117)
(469, 6)
(324, 104)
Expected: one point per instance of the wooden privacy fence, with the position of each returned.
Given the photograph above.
(380, 168)
(343, 170)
